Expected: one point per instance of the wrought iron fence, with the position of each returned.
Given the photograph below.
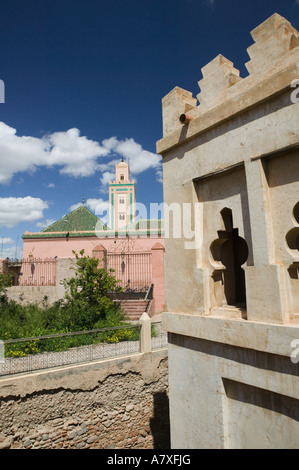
(26, 355)
(41, 352)
(134, 270)
(159, 336)
(32, 271)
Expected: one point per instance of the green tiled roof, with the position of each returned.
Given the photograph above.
(80, 222)
(83, 223)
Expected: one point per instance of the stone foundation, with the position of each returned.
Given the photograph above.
(115, 404)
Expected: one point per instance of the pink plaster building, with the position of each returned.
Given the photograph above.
(134, 249)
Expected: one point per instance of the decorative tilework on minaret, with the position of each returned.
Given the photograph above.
(122, 198)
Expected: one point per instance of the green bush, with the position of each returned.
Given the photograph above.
(86, 306)
(5, 281)
(17, 321)
(86, 300)
(118, 335)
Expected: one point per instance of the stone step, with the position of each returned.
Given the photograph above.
(133, 309)
(134, 306)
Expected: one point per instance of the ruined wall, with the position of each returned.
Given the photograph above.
(44, 295)
(118, 404)
(41, 295)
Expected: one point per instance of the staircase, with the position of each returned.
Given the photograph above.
(133, 309)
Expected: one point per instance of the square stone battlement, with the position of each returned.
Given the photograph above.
(275, 47)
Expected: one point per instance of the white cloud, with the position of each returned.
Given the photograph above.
(98, 206)
(6, 241)
(106, 177)
(51, 185)
(139, 159)
(46, 223)
(18, 153)
(77, 155)
(159, 174)
(11, 252)
(73, 154)
(75, 206)
(110, 143)
(14, 210)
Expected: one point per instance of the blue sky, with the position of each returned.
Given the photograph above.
(84, 82)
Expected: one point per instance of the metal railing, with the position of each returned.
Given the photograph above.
(32, 271)
(149, 292)
(134, 270)
(26, 355)
(158, 336)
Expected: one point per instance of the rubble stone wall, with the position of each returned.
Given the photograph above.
(118, 404)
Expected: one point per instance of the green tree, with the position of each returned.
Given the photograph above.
(5, 281)
(86, 298)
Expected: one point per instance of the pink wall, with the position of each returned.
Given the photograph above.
(158, 251)
(62, 248)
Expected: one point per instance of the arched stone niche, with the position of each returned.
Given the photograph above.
(229, 252)
(292, 241)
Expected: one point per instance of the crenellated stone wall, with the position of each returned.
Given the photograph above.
(232, 305)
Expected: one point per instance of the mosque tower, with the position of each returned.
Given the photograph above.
(122, 198)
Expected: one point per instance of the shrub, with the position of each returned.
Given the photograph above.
(86, 300)
(5, 281)
(86, 307)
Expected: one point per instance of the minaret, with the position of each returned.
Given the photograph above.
(122, 198)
